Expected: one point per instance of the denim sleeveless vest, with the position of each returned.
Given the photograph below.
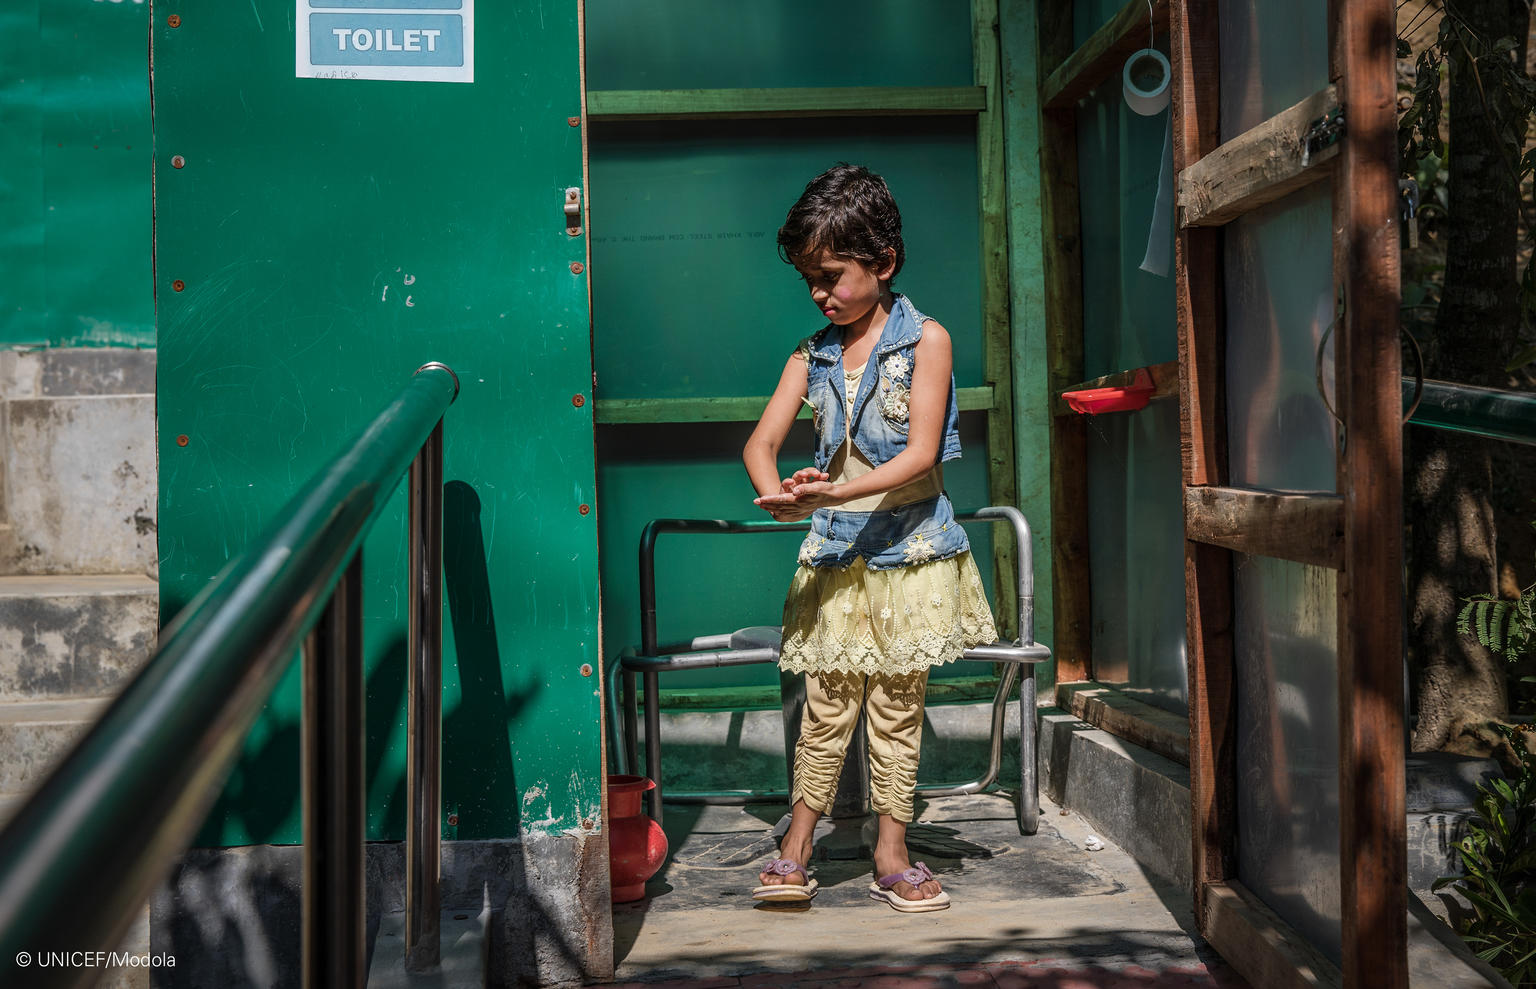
(909, 534)
(879, 420)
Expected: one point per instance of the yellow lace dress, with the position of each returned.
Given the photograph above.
(863, 621)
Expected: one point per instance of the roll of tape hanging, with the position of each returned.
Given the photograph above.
(1147, 100)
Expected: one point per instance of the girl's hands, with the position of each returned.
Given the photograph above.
(804, 475)
(798, 496)
(816, 494)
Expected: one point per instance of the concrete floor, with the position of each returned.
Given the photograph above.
(1041, 903)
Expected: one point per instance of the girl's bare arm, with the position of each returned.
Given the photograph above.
(926, 401)
(761, 454)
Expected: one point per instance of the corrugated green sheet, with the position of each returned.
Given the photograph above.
(75, 211)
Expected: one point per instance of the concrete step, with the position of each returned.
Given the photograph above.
(9, 803)
(74, 636)
(34, 735)
(464, 937)
(80, 485)
(55, 371)
(78, 460)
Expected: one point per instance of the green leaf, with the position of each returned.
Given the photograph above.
(1521, 359)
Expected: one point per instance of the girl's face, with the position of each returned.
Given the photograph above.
(844, 289)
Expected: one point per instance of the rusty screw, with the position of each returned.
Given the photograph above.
(177, 161)
(453, 819)
(585, 509)
(178, 285)
(577, 267)
(174, 20)
(573, 121)
(586, 822)
(183, 440)
(578, 400)
(586, 669)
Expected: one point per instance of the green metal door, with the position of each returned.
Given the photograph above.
(317, 239)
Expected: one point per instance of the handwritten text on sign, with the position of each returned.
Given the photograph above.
(413, 40)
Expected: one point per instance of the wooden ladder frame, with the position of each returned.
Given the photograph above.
(1357, 532)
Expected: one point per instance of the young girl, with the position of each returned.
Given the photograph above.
(886, 586)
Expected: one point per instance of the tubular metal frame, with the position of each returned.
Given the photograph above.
(713, 651)
(145, 773)
(424, 709)
(335, 901)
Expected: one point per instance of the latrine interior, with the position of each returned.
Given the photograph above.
(694, 313)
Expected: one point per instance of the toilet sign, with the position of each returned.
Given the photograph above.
(412, 40)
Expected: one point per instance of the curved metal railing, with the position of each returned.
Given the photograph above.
(83, 854)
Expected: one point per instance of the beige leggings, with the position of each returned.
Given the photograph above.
(893, 706)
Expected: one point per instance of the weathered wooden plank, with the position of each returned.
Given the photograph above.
(730, 408)
(1072, 616)
(1303, 528)
(1019, 42)
(996, 333)
(1256, 167)
(1372, 798)
(1165, 384)
(841, 101)
(1141, 724)
(1103, 54)
(1266, 950)
(1203, 446)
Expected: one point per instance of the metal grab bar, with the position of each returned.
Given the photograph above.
(713, 651)
(87, 849)
(1497, 413)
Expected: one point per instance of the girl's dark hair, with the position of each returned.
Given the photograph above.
(848, 211)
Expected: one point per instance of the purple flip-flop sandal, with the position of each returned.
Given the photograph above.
(883, 889)
(786, 892)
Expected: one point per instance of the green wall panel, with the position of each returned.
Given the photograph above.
(75, 211)
(690, 297)
(707, 584)
(1090, 15)
(706, 44)
(332, 236)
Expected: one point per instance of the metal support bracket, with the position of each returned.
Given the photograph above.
(1323, 132)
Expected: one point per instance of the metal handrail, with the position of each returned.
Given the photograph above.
(87, 849)
(1497, 413)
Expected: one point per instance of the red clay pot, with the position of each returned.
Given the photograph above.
(636, 844)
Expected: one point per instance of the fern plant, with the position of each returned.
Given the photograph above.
(1499, 856)
(1504, 626)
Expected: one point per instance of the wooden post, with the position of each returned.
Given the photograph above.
(1064, 348)
(1017, 43)
(995, 329)
(1372, 796)
(1202, 424)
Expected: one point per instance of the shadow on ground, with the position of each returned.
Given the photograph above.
(1024, 908)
